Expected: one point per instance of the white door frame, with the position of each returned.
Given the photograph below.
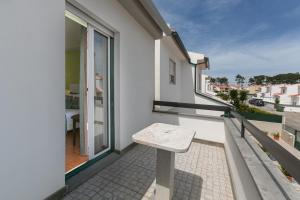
(92, 26)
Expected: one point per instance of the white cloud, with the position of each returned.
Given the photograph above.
(233, 52)
(215, 5)
(280, 55)
(196, 33)
(293, 13)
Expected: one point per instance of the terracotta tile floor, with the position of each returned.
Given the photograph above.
(73, 157)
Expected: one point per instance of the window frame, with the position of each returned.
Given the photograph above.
(283, 90)
(172, 81)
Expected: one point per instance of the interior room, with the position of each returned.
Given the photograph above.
(75, 96)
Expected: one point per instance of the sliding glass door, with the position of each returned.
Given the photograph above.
(99, 93)
(88, 58)
(101, 138)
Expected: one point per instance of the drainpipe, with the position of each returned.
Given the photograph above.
(195, 77)
(195, 84)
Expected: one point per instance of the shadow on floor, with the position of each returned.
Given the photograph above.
(132, 176)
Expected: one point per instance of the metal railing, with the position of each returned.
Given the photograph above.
(190, 105)
(295, 132)
(290, 129)
(284, 157)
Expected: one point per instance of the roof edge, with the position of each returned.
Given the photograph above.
(180, 45)
(155, 14)
(147, 15)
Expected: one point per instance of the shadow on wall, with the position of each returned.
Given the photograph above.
(187, 84)
(204, 125)
(188, 94)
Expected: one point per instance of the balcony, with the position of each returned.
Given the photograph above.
(201, 173)
(229, 159)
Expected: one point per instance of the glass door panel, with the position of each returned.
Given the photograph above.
(101, 139)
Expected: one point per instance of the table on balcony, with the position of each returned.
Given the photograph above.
(168, 140)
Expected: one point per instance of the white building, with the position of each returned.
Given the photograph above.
(78, 79)
(288, 94)
(120, 78)
(91, 62)
(175, 72)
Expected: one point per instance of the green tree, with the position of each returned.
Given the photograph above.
(240, 80)
(251, 81)
(219, 80)
(223, 80)
(269, 80)
(223, 96)
(277, 101)
(234, 98)
(260, 80)
(243, 95)
(288, 78)
(212, 80)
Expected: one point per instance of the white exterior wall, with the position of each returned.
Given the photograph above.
(199, 80)
(203, 83)
(291, 109)
(284, 98)
(206, 129)
(268, 96)
(274, 89)
(291, 90)
(263, 90)
(209, 88)
(32, 86)
(184, 90)
(167, 50)
(134, 69)
(187, 85)
(188, 94)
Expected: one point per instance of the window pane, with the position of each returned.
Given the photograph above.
(100, 98)
(172, 71)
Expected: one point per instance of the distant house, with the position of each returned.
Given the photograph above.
(253, 89)
(221, 87)
(287, 94)
(225, 87)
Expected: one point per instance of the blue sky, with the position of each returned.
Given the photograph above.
(250, 37)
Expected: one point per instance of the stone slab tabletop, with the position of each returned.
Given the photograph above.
(165, 136)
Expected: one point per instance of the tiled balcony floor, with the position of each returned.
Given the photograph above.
(201, 173)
